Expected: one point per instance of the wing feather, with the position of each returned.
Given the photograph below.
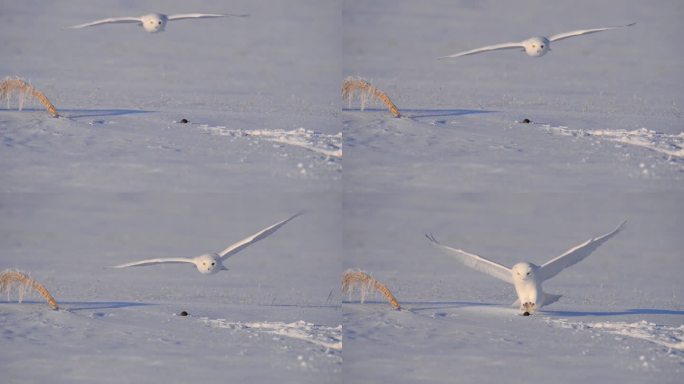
(247, 241)
(488, 48)
(581, 32)
(575, 255)
(156, 261)
(476, 262)
(111, 20)
(182, 16)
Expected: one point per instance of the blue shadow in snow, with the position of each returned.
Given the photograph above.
(90, 305)
(636, 311)
(298, 305)
(72, 306)
(78, 113)
(430, 305)
(424, 113)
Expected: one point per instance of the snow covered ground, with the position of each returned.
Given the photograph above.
(119, 178)
(604, 144)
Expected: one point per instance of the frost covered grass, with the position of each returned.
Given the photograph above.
(366, 92)
(365, 283)
(23, 90)
(15, 280)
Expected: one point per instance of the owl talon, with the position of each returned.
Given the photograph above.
(528, 309)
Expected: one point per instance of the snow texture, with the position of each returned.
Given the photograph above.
(603, 145)
(120, 177)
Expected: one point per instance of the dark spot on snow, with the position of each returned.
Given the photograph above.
(526, 313)
(183, 121)
(526, 121)
(183, 313)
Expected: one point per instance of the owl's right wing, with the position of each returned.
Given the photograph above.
(495, 47)
(475, 262)
(111, 20)
(247, 241)
(143, 263)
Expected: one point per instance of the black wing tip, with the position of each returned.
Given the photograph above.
(431, 237)
(298, 213)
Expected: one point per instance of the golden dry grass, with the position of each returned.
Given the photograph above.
(362, 280)
(11, 278)
(366, 91)
(23, 89)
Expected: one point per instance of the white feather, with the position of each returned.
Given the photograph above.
(527, 277)
(212, 263)
(534, 46)
(495, 47)
(156, 261)
(581, 32)
(247, 241)
(201, 16)
(575, 255)
(154, 22)
(111, 20)
(476, 262)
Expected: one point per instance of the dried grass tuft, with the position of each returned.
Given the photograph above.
(366, 283)
(366, 91)
(11, 278)
(24, 90)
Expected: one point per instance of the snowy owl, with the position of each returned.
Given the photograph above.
(527, 277)
(535, 46)
(154, 22)
(211, 263)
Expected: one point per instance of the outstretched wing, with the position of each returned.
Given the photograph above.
(111, 20)
(476, 262)
(156, 261)
(488, 48)
(574, 255)
(201, 16)
(581, 32)
(244, 243)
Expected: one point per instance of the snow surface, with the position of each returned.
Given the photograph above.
(604, 145)
(118, 178)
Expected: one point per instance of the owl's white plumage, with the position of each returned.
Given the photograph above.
(212, 263)
(528, 277)
(534, 46)
(154, 22)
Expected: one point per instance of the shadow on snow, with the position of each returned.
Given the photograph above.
(79, 113)
(423, 113)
